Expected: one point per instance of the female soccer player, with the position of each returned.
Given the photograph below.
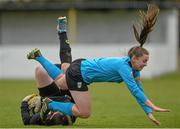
(83, 72)
(31, 110)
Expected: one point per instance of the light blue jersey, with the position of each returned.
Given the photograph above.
(114, 69)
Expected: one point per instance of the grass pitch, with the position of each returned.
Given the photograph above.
(112, 104)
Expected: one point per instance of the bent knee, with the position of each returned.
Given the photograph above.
(39, 70)
(85, 114)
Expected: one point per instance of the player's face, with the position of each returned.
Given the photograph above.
(138, 63)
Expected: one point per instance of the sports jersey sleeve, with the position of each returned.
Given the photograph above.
(143, 106)
(128, 78)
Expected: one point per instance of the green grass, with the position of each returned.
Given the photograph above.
(112, 104)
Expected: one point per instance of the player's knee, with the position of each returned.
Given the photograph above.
(39, 71)
(85, 114)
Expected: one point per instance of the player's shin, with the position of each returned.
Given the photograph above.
(66, 108)
(52, 70)
(65, 50)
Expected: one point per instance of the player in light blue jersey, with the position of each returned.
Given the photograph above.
(83, 72)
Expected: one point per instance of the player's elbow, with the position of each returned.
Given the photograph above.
(134, 92)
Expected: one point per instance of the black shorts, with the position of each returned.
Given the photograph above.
(74, 78)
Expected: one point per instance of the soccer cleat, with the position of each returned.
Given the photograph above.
(44, 109)
(62, 24)
(34, 53)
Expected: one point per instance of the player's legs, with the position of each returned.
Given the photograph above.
(79, 91)
(42, 78)
(53, 71)
(45, 84)
(82, 107)
(65, 50)
(82, 99)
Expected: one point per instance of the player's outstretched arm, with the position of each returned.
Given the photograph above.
(157, 109)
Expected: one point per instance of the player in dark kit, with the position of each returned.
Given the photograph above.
(32, 109)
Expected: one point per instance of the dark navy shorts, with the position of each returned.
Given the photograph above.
(74, 78)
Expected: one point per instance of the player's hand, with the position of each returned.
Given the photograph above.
(158, 109)
(155, 108)
(29, 97)
(153, 119)
(35, 103)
